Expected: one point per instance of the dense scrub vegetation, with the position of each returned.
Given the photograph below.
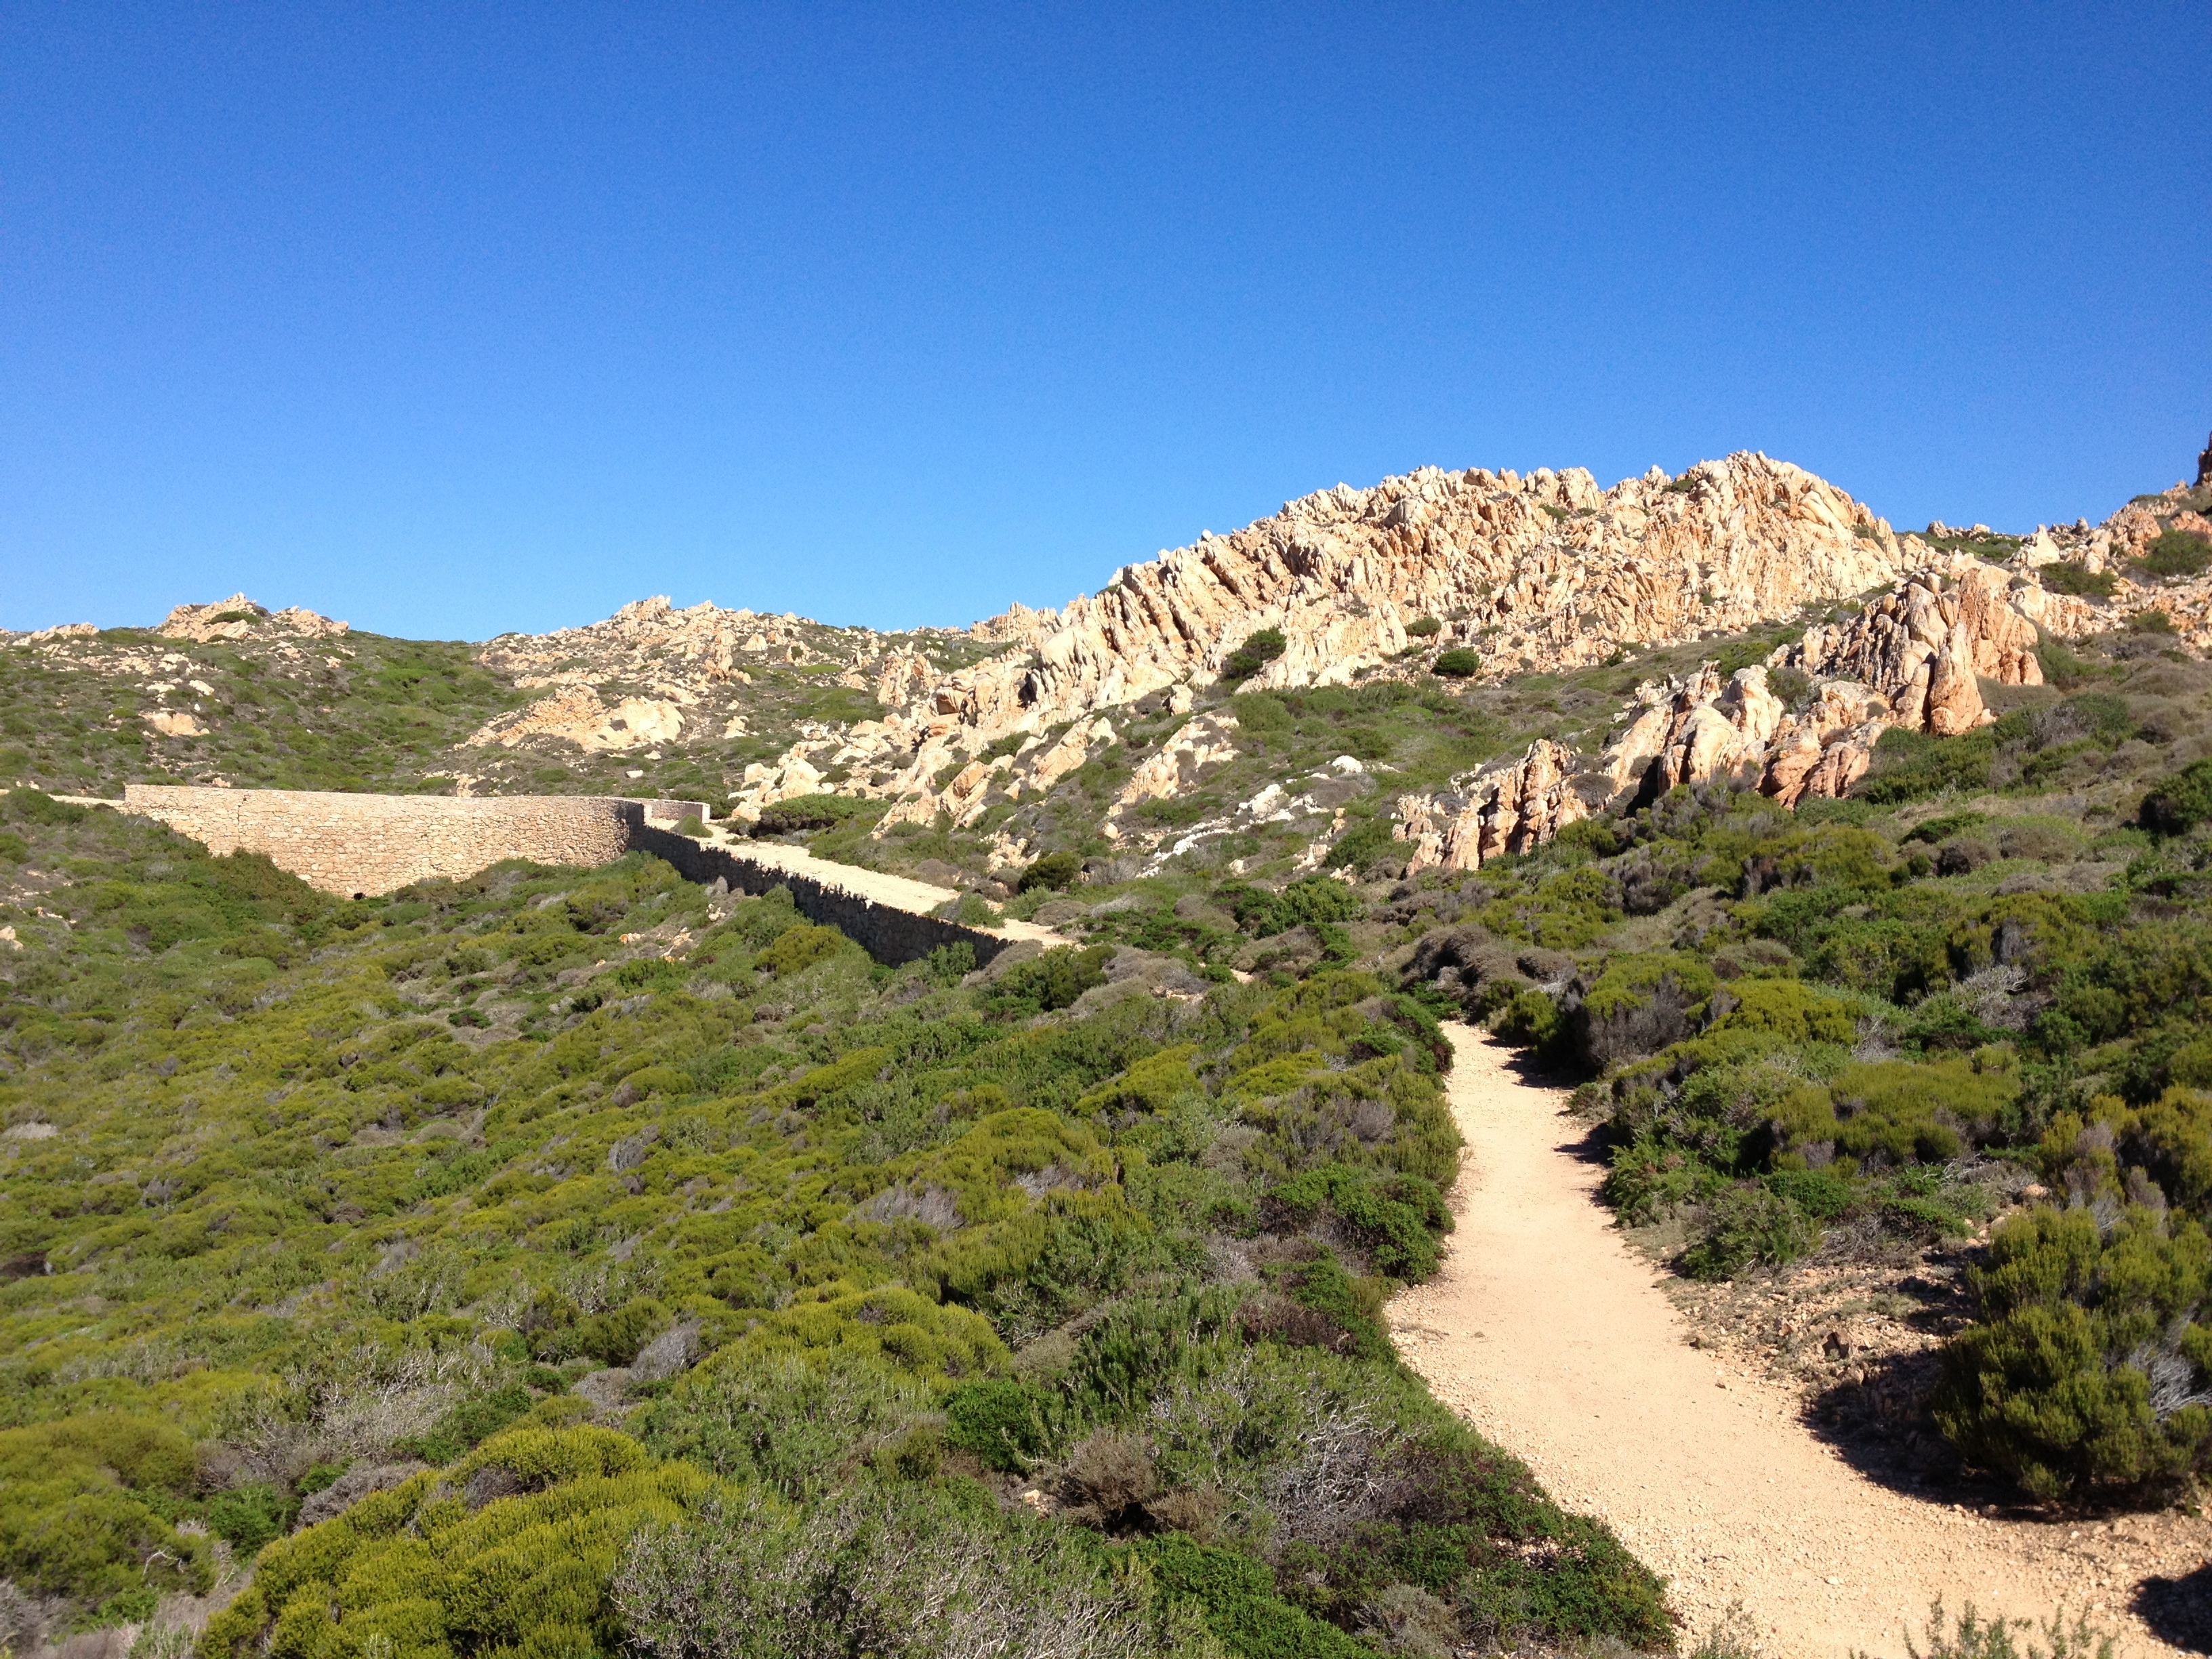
(561, 1261)
(1887, 1018)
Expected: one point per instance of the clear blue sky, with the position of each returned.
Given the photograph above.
(454, 319)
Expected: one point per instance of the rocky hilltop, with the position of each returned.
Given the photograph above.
(1121, 721)
(1541, 575)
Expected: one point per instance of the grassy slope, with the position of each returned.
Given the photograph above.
(296, 1186)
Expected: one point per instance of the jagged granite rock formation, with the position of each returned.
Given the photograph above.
(1541, 573)
(1537, 573)
(1914, 657)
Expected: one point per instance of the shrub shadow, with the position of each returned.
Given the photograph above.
(2178, 1610)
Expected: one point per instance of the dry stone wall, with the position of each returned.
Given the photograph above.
(370, 844)
(886, 933)
(363, 845)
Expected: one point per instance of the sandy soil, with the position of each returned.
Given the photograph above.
(1556, 1341)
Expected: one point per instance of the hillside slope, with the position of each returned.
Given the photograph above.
(591, 1218)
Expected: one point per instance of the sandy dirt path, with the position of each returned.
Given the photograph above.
(1555, 1340)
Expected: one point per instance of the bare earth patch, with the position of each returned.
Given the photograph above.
(1557, 1339)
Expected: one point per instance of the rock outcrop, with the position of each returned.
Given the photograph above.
(1515, 807)
(239, 618)
(652, 642)
(577, 714)
(1925, 650)
(1544, 571)
(1914, 657)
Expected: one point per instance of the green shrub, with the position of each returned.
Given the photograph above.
(1896, 1111)
(1261, 713)
(532, 1570)
(1423, 627)
(1058, 870)
(802, 813)
(1749, 1224)
(789, 1421)
(2086, 1372)
(1235, 1596)
(1457, 664)
(84, 1502)
(799, 949)
(247, 1516)
(929, 1571)
(1001, 1421)
(1362, 845)
(1310, 900)
(1398, 1219)
(2078, 581)
(1051, 981)
(2062, 666)
(2180, 802)
(2177, 553)
(650, 973)
(1785, 1008)
(1258, 650)
(1637, 1005)
(472, 1422)
(1910, 766)
(1938, 830)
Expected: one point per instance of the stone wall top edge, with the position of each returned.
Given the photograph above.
(189, 793)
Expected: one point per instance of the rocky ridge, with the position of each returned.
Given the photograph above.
(1537, 573)
(1914, 659)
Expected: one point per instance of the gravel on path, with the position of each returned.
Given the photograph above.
(1549, 1335)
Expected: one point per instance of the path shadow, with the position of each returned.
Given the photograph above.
(1879, 1418)
(2178, 1610)
(1586, 1140)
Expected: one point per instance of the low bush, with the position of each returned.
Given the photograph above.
(1457, 664)
(928, 1571)
(2177, 553)
(1051, 981)
(1057, 871)
(803, 813)
(2177, 804)
(2078, 580)
(1258, 650)
(2086, 1371)
(427, 1572)
(1308, 900)
(1911, 766)
(799, 949)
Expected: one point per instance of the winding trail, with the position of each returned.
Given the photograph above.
(1555, 1340)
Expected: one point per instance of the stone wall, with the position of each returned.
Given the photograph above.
(363, 845)
(887, 933)
(369, 844)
